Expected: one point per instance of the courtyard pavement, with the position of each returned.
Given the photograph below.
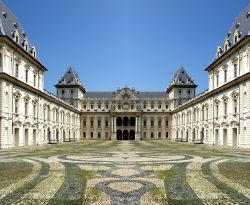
(125, 172)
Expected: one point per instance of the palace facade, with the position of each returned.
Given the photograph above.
(29, 115)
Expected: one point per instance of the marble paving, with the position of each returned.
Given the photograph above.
(120, 173)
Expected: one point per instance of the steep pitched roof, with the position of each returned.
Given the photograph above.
(240, 27)
(181, 78)
(9, 24)
(70, 78)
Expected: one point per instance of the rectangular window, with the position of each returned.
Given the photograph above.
(106, 135)
(179, 91)
(99, 123)
(99, 135)
(132, 107)
(145, 106)
(235, 106)
(152, 135)
(145, 123)
(159, 134)
(106, 123)
(107, 106)
(34, 81)
(166, 134)
(167, 106)
(159, 123)
(225, 76)
(26, 76)
(16, 70)
(92, 135)
(144, 134)
(166, 123)
(1, 60)
(217, 110)
(84, 123)
(152, 123)
(26, 108)
(92, 123)
(119, 107)
(16, 106)
(152, 106)
(72, 91)
(217, 80)
(235, 70)
(159, 106)
(92, 106)
(225, 108)
(34, 111)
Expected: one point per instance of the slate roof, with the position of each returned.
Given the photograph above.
(9, 24)
(139, 95)
(181, 78)
(70, 78)
(242, 25)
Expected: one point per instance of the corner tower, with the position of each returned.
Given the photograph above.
(70, 88)
(181, 88)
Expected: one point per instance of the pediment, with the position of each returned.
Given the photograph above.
(125, 94)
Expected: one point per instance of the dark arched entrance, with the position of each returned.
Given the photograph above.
(119, 135)
(132, 135)
(119, 121)
(132, 121)
(125, 135)
(202, 135)
(125, 121)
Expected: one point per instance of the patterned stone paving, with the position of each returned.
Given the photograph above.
(133, 173)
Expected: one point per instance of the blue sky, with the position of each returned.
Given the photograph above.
(134, 43)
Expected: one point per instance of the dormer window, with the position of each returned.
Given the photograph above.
(25, 44)
(236, 36)
(33, 52)
(219, 52)
(4, 14)
(16, 36)
(248, 14)
(237, 25)
(227, 45)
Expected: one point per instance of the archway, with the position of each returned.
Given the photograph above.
(193, 137)
(119, 121)
(132, 121)
(48, 136)
(132, 135)
(57, 135)
(125, 135)
(202, 135)
(125, 121)
(34, 137)
(119, 135)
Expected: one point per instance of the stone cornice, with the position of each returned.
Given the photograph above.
(22, 52)
(16, 82)
(214, 92)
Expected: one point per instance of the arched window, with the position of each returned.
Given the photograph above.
(219, 52)
(16, 36)
(25, 44)
(227, 45)
(236, 36)
(33, 52)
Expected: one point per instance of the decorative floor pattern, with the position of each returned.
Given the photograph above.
(125, 173)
